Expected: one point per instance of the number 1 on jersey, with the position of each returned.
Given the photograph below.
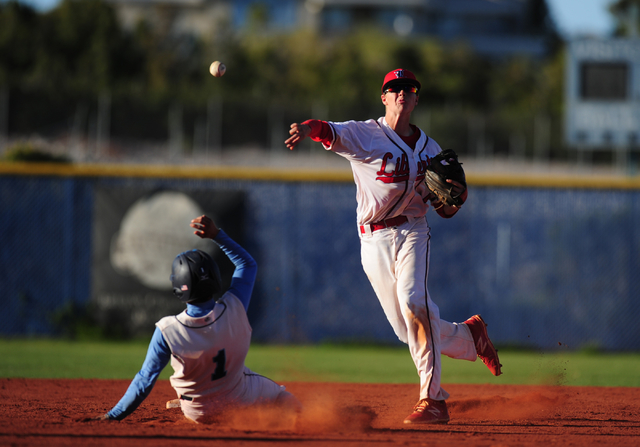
(220, 360)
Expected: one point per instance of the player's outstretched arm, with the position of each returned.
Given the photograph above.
(298, 132)
(158, 356)
(244, 275)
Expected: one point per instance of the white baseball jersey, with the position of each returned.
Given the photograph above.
(389, 175)
(208, 353)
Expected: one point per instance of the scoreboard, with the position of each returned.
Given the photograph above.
(602, 94)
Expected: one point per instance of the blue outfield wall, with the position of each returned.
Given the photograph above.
(546, 264)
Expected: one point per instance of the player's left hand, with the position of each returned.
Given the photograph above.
(102, 417)
(205, 227)
(458, 188)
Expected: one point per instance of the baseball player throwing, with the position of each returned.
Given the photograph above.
(208, 342)
(389, 157)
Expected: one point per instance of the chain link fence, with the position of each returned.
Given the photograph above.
(546, 266)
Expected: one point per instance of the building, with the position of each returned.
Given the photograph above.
(175, 18)
(496, 28)
(492, 27)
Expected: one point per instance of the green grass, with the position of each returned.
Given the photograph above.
(327, 363)
(65, 359)
(394, 365)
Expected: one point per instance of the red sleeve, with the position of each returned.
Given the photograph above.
(320, 131)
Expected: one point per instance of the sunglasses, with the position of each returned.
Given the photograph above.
(407, 88)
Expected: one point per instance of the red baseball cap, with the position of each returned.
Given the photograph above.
(399, 76)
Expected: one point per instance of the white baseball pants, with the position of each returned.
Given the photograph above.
(396, 260)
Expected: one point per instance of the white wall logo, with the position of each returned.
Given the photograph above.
(152, 232)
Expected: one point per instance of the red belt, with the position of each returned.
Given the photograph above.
(393, 222)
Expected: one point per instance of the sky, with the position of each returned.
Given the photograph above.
(572, 17)
(578, 17)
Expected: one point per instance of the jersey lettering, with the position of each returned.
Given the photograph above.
(220, 360)
(397, 175)
(422, 169)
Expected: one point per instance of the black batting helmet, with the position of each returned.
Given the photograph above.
(195, 276)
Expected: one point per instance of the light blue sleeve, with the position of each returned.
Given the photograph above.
(244, 276)
(158, 356)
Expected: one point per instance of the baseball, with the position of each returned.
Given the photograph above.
(217, 69)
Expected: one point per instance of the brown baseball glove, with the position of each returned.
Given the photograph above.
(443, 167)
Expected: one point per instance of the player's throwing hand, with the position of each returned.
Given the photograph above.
(205, 227)
(298, 133)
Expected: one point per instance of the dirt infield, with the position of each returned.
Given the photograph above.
(49, 413)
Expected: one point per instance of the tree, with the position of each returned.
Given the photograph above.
(83, 50)
(627, 15)
(18, 42)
